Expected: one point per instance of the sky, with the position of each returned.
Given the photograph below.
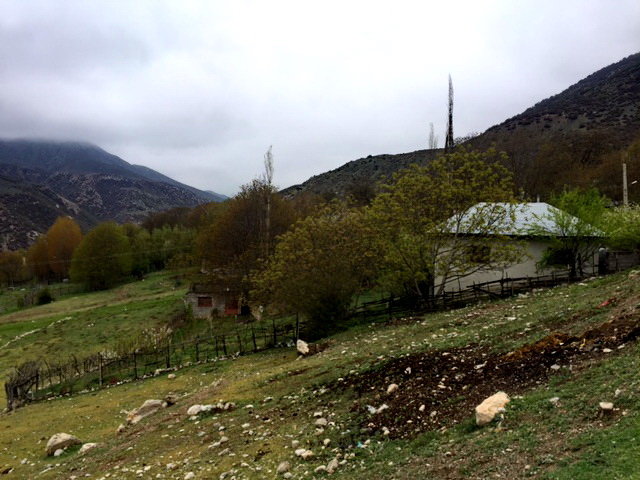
(199, 90)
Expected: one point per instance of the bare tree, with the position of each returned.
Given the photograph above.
(268, 187)
(433, 139)
(449, 141)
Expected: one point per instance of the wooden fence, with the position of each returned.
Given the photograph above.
(37, 380)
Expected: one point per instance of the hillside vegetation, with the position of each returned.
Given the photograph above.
(558, 353)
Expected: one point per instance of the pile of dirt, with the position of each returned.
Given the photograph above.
(440, 388)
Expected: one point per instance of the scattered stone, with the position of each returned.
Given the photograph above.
(554, 400)
(171, 376)
(287, 475)
(392, 388)
(171, 466)
(332, 466)
(302, 347)
(307, 455)
(607, 350)
(58, 452)
(555, 367)
(382, 408)
(283, 467)
(121, 428)
(189, 476)
(490, 407)
(320, 469)
(171, 399)
(321, 422)
(422, 408)
(295, 443)
(149, 407)
(326, 442)
(61, 441)
(606, 407)
(86, 447)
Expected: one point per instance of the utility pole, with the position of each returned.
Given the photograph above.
(448, 143)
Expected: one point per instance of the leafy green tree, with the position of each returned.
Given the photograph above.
(62, 239)
(103, 258)
(318, 266)
(572, 228)
(429, 234)
(622, 226)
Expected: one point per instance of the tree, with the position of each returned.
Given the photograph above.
(38, 259)
(622, 225)
(572, 229)
(428, 233)
(62, 239)
(11, 266)
(103, 258)
(318, 267)
(449, 142)
(433, 139)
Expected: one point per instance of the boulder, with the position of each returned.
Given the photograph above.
(392, 388)
(86, 447)
(195, 410)
(490, 407)
(149, 407)
(302, 347)
(283, 467)
(332, 466)
(60, 441)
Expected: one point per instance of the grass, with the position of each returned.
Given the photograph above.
(536, 439)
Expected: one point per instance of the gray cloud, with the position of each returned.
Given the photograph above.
(199, 90)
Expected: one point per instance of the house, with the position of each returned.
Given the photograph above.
(206, 301)
(534, 225)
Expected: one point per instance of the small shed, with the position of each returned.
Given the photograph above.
(206, 302)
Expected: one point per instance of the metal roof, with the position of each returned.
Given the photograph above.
(521, 219)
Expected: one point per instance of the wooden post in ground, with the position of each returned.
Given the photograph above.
(100, 379)
(253, 337)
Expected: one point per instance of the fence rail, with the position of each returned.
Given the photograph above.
(37, 380)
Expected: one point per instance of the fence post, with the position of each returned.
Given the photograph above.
(100, 379)
(240, 349)
(197, 350)
(224, 345)
(168, 354)
(253, 337)
(216, 338)
(298, 325)
(135, 366)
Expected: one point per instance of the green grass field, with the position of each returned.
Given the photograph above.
(536, 439)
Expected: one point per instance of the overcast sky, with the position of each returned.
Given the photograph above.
(199, 90)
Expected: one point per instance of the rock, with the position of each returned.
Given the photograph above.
(490, 407)
(555, 367)
(606, 407)
(283, 467)
(121, 428)
(58, 452)
(392, 388)
(149, 407)
(326, 442)
(332, 466)
(307, 455)
(171, 376)
(554, 400)
(61, 441)
(382, 408)
(302, 347)
(422, 408)
(189, 476)
(171, 466)
(86, 447)
(287, 475)
(194, 410)
(321, 422)
(299, 451)
(171, 399)
(320, 469)
(295, 443)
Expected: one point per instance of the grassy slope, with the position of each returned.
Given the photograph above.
(536, 438)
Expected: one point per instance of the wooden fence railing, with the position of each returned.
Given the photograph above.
(37, 380)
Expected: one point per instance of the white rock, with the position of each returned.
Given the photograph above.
(302, 347)
(320, 469)
(307, 454)
(86, 447)
(171, 376)
(332, 466)
(490, 407)
(326, 442)
(606, 406)
(58, 452)
(392, 388)
(149, 407)
(61, 441)
(422, 408)
(189, 476)
(194, 410)
(555, 367)
(295, 443)
(321, 422)
(283, 467)
(121, 428)
(554, 400)
(299, 451)
(382, 408)
(287, 475)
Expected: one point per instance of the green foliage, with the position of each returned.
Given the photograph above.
(103, 258)
(44, 297)
(622, 225)
(319, 266)
(423, 221)
(574, 236)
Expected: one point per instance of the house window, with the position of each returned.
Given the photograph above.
(205, 302)
(479, 253)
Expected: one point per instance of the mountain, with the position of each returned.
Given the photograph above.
(564, 139)
(40, 180)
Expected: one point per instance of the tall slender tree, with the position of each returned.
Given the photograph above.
(433, 139)
(449, 142)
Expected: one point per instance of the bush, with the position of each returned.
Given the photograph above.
(44, 296)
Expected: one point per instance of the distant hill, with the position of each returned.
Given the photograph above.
(559, 140)
(40, 180)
